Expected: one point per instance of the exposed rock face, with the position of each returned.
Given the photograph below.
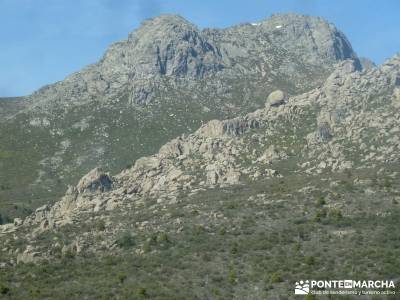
(146, 163)
(272, 154)
(213, 174)
(281, 176)
(214, 128)
(309, 36)
(347, 123)
(29, 256)
(367, 64)
(179, 49)
(219, 174)
(234, 127)
(233, 176)
(168, 77)
(95, 180)
(171, 46)
(276, 98)
(396, 97)
(239, 126)
(324, 132)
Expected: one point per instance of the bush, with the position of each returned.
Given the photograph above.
(336, 214)
(276, 277)
(100, 225)
(146, 247)
(309, 260)
(142, 292)
(4, 289)
(320, 201)
(121, 277)
(126, 241)
(232, 277)
(163, 238)
(321, 214)
(69, 254)
(199, 229)
(235, 248)
(387, 183)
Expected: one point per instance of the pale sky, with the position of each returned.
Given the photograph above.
(43, 41)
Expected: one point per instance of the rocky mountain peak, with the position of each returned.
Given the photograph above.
(313, 37)
(166, 45)
(245, 153)
(168, 78)
(169, 45)
(172, 46)
(165, 22)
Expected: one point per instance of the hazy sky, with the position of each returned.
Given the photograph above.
(42, 41)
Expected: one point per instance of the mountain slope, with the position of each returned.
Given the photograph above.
(166, 79)
(240, 209)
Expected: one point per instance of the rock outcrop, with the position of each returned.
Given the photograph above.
(167, 78)
(169, 45)
(332, 120)
(233, 127)
(346, 124)
(95, 180)
(276, 98)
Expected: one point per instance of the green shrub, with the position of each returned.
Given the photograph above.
(142, 292)
(387, 183)
(320, 201)
(199, 229)
(309, 260)
(69, 254)
(126, 241)
(232, 277)
(146, 247)
(320, 214)
(121, 277)
(276, 277)
(4, 289)
(163, 238)
(336, 213)
(222, 231)
(216, 291)
(235, 248)
(100, 225)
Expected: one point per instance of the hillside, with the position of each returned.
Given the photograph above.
(307, 186)
(167, 78)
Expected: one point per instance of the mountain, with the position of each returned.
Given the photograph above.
(305, 187)
(167, 78)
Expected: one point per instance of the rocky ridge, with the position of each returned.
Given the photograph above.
(349, 123)
(166, 79)
(171, 46)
